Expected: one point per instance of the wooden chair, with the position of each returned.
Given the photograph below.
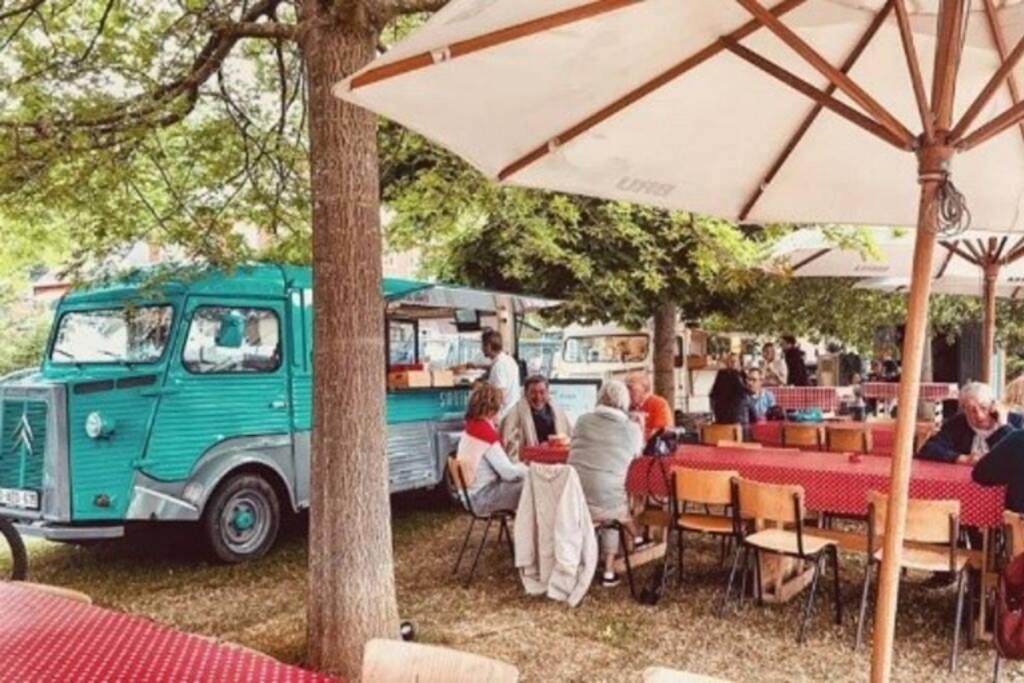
(933, 527)
(702, 489)
(1013, 534)
(848, 439)
(801, 435)
(769, 519)
(457, 481)
(395, 661)
(60, 591)
(749, 445)
(713, 433)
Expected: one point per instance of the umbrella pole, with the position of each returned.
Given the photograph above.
(933, 159)
(988, 338)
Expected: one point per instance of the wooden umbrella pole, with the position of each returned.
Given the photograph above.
(988, 325)
(932, 164)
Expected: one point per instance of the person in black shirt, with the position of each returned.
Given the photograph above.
(729, 394)
(796, 368)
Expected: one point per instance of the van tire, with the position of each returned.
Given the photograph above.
(19, 558)
(242, 518)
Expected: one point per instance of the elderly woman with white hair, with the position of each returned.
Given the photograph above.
(967, 437)
(603, 445)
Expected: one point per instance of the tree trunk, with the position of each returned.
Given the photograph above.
(665, 352)
(351, 590)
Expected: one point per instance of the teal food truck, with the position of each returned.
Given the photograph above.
(190, 399)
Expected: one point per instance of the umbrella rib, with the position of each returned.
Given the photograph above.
(489, 40)
(1016, 251)
(1003, 73)
(978, 257)
(1009, 118)
(641, 91)
(819, 96)
(948, 52)
(1001, 248)
(914, 65)
(953, 246)
(805, 125)
(810, 259)
(822, 66)
(945, 262)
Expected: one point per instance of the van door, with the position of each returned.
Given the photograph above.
(227, 386)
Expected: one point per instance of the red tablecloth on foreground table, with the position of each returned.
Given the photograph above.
(888, 391)
(544, 454)
(44, 637)
(883, 434)
(825, 399)
(831, 482)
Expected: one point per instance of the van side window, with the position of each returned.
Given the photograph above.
(225, 339)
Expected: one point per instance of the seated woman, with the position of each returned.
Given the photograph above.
(603, 445)
(493, 482)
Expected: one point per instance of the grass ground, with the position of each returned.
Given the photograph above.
(162, 575)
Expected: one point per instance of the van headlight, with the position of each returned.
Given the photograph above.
(98, 427)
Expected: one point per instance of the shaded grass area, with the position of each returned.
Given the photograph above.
(162, 574)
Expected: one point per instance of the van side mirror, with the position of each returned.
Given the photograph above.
(231, 330)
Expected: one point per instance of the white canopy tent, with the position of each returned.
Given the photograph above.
(798, 112)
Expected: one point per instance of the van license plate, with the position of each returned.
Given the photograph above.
(19, 498)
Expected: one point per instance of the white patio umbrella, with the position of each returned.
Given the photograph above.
(975, 263)
(797, 112)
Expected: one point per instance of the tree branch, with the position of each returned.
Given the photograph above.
(258, 29)
(386, 10)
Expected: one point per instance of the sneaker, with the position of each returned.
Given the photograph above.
(610, 580)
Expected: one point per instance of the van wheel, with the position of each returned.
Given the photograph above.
(242, 518)
(13, 544)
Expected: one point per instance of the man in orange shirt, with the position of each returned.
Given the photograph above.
(656, 410)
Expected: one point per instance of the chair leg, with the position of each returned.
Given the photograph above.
(863, 606)
(625, 556)
(957, 625)
(836, 596)
(728, 585)
(809, 604)
(998, 669)
(745, 562)
(758, 585)
(508, 537)
(681, 549)
(721, 551)
(465, 544)
(973, 591)
(479, 549)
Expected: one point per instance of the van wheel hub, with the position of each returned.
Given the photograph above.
(245, 521)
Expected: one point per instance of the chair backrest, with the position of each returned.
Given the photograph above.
(713, 433)
(749, 445)
(843, 439)
(928, 521)
(804, 436)
(783, 503)
(703, 487)
(395, 661)
(1013, 528)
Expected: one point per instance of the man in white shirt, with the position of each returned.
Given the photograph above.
(503, 371)
(774, 368)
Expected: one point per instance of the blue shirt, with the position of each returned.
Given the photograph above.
(762, 403)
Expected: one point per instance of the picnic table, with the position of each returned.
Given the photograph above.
(47, 637)
(889, 391)
(544, 454)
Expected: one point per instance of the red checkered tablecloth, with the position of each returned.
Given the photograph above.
(831, 482)
(825, 399)
(889, 391)
(544, 454)
(45, 637)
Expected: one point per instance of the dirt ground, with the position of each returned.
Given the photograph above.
(162, 574)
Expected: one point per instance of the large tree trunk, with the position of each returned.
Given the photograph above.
(665, 352)
(351, 591)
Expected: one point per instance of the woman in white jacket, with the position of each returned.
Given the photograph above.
(492, 480)
(604, 443)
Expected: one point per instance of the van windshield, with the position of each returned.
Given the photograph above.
(113, 335)
(610, 348)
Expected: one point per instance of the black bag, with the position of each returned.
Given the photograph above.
(662, 444)
(775, 414)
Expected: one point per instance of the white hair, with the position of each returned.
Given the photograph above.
(977, 391)
(614, 394)
(639, 378)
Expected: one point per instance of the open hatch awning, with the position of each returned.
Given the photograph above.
(412, 297)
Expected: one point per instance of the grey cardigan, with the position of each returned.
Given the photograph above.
(603, 445)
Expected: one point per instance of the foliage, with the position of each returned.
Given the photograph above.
(23, 341)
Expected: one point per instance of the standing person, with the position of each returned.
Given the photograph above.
(775, 373)
(492, 481)
(502, 372)
(534, 418)
(796, 366)
(966, 437)
(761, 400)
(729, 394)
(604, 444)
(656, 411)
